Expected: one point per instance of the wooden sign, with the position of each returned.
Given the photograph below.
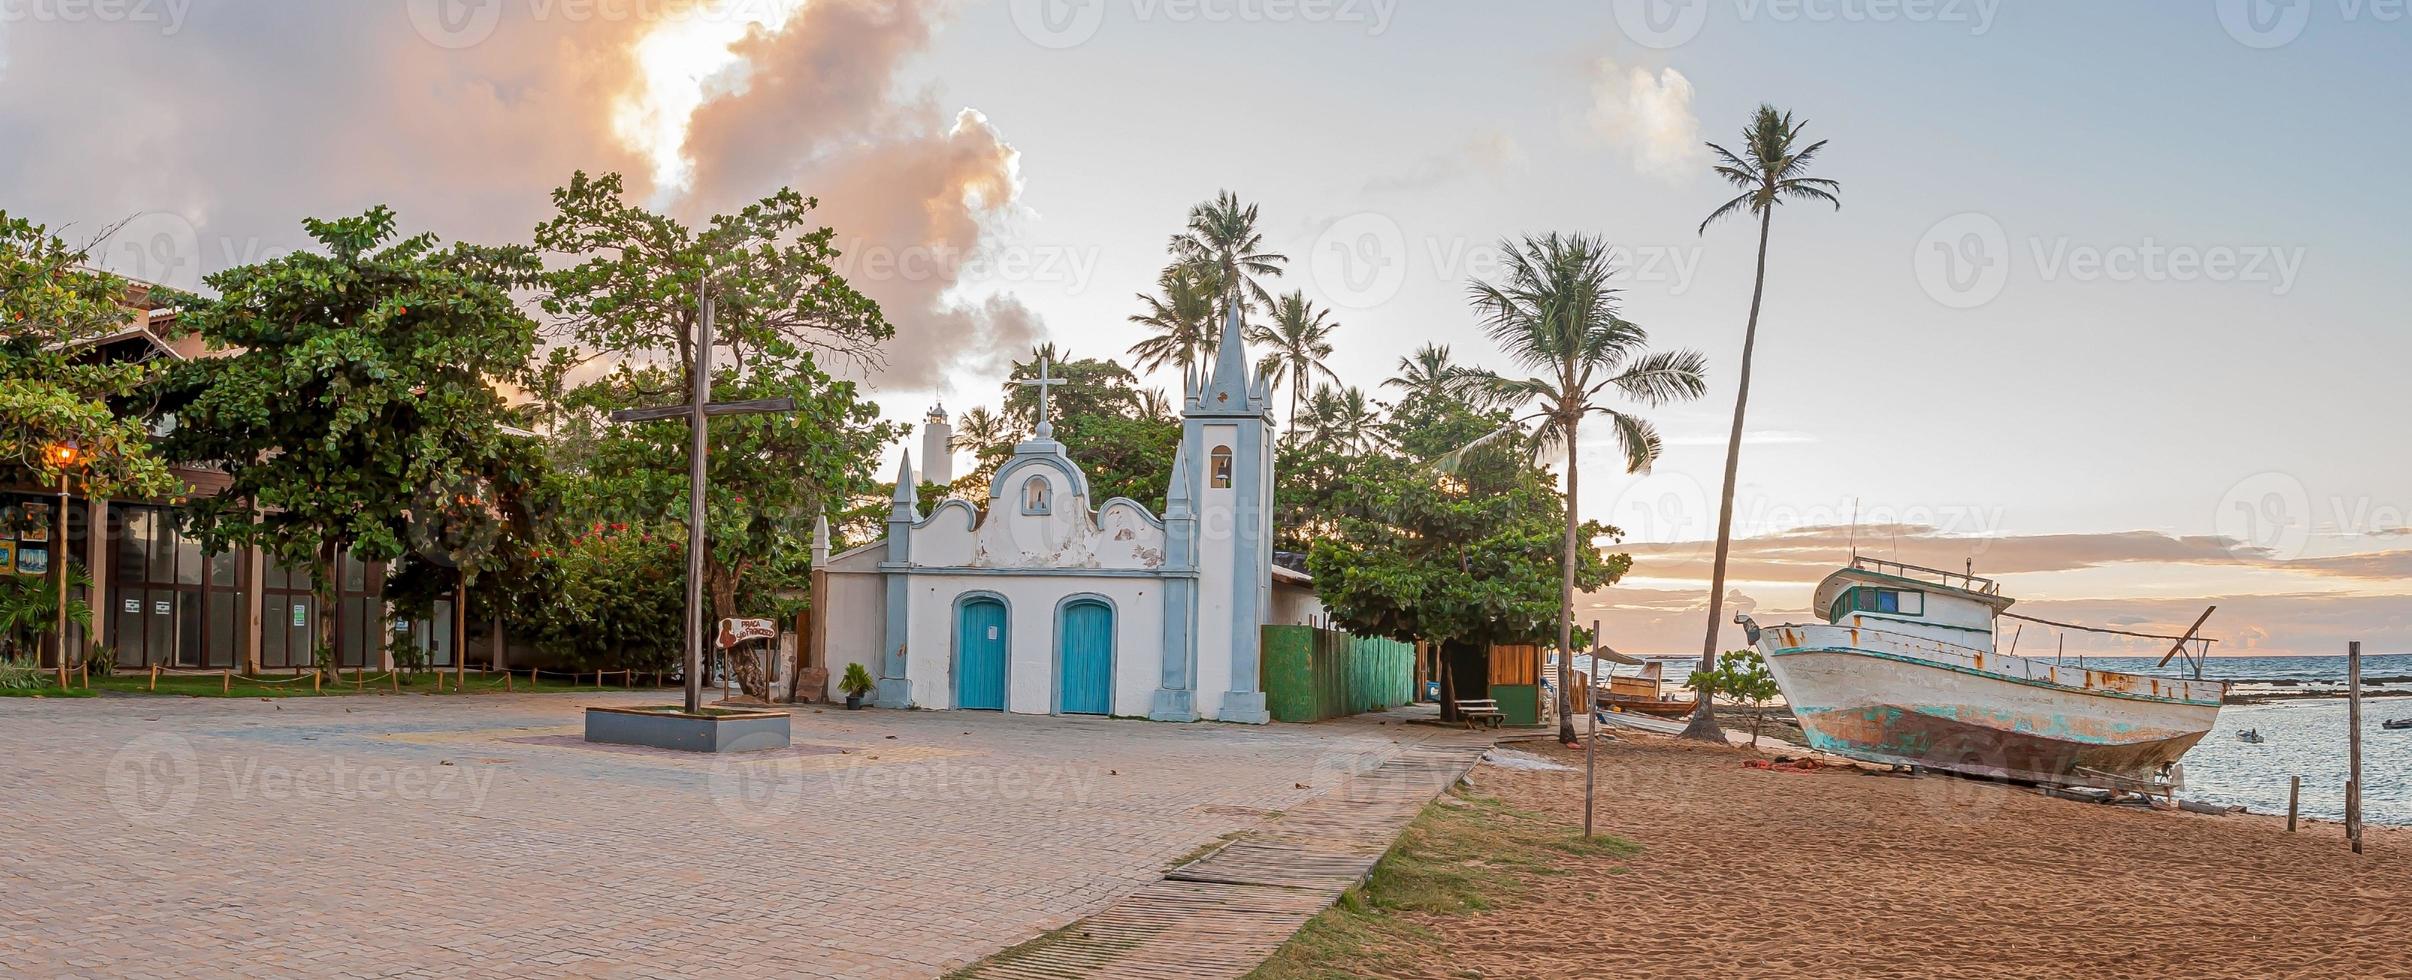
(736, 631)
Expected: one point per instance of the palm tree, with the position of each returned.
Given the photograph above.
(1770, 171)
(1343, 418)
(1182, 318)
(1222, 241)
(1156, 406)
(1296, 344)
(990, 438)
(1554, 314)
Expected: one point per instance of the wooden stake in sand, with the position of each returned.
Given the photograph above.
(2353, 744)
(2294, 801)
(1591, 714)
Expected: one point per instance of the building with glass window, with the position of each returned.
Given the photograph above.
(158, 600)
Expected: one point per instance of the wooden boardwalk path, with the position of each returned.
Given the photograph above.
(1223, 914)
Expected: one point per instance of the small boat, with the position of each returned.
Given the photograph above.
(1904, 671)
(2396, 724)
(1641, 693)
(2250, 736)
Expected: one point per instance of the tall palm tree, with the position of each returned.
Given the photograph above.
(1222, 237)
(1554, 314)
(1343, 418)
(1155, 405)
(1296, 343)
(990, 438)
(1770, 170)
(1182, 318)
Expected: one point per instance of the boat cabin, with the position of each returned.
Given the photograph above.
(1949, 607)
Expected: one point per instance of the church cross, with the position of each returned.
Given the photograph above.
(1044, 382)
(698, 412)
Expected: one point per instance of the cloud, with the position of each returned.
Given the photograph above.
(1492, 153)
(1650, 116)
(236, 128)
(2301, 616)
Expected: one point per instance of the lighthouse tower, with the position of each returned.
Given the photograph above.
(937, 447)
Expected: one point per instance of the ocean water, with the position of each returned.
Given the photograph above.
(2251, 670)
(2307, 739)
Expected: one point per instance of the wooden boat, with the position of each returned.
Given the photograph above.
(1904, 671)
(2396, 724)
(1642, 693)
(2250, 736)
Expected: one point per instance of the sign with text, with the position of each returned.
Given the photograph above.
(736, 631)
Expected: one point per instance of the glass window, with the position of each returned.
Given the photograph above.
(1219, 474)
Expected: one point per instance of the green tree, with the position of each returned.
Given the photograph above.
(1343, 418)
(52, 304)
(626, 289)
(1469, 553)
(1741, 677)
(1222, 243)
(631, 287)
(1771, 169)
(1102, 417)
(1554, 314)
(356, 407)
(1295, 345)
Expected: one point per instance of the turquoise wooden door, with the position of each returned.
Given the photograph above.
(980, 655)
(1084, 668)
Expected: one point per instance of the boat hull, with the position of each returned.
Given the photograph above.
(1648, 706)
(1966, 711)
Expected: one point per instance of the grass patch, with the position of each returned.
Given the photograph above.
(286, 686)
(1463, 854)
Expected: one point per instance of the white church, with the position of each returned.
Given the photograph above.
(1043, 600)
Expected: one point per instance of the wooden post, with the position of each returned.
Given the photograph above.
(1591, 724)
(508, 677)
(226, 682)
(2294, 801)
(154, 678)
(315, 677)
(395, 678)
(2353, 744)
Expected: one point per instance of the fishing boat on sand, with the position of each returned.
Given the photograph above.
(1904, 671)
(1642, 692)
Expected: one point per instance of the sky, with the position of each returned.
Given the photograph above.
(2110, 310)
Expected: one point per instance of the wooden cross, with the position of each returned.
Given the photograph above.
(1044, 382)
(698, 411)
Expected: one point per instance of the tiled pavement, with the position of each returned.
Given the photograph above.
(381, 836)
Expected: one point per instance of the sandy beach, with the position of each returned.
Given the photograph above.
(1838, 873)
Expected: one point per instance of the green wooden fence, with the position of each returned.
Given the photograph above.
(1312, 675)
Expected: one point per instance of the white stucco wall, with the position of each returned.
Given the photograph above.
(1032, 609)
(855, 613)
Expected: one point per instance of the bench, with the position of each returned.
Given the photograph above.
(1482, 712)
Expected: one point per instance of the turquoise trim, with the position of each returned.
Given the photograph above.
(1971, 671)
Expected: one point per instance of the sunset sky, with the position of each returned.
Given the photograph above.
(2114, 307)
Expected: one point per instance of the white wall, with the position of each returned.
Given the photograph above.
(1031, 606)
